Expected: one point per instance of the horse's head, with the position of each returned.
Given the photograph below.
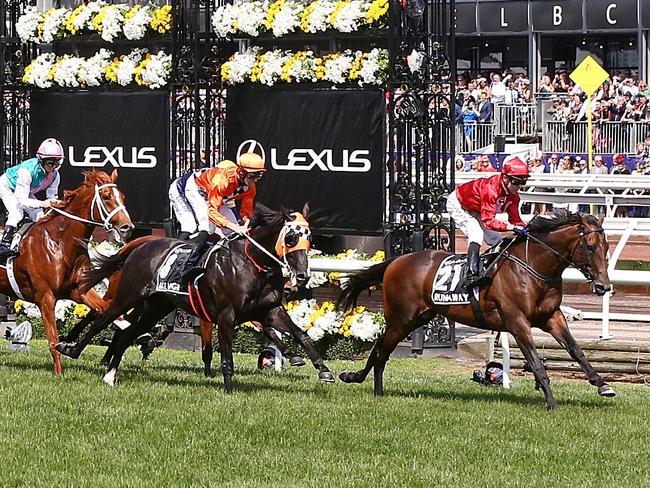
(293, 244)
(107, 205)
(590, 253)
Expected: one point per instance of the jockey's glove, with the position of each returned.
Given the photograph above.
(519, 230)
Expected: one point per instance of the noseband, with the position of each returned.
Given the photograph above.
(103, 212)
(571, 261)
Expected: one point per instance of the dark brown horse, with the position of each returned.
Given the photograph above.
(241, 283)
(526, 291)
(53, 258)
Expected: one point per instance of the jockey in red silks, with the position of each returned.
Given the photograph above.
(207, 202)
(20, 183)
(474, 206)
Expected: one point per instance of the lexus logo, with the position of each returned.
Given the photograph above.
(305, 159)
(118, 157)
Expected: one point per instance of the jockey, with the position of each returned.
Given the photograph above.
(20, 183)
(207, 201)
(474, 206)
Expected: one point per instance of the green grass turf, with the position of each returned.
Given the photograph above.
(164, 424)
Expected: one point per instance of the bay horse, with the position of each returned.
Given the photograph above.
(53, 257)
(242, 283)
(525, 292)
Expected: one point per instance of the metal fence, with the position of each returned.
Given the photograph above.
(518, 120)
(608, 137)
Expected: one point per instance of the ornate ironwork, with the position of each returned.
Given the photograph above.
(421, 137)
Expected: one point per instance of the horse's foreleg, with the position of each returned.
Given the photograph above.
(46, 304)
(206, 347)
(558, 328)
(279, 319)
(225, 330)
(520, 330)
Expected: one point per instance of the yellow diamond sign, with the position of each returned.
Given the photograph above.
(589, 75)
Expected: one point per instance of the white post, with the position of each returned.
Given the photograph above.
(505, 352)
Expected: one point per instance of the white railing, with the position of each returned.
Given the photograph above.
(608, 137)
(515, 120)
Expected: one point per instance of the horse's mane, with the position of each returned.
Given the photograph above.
(553, 220)
(91, 178)
(263, 215)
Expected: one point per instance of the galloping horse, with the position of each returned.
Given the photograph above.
(53, 258)
(241, 283)
(526, 291)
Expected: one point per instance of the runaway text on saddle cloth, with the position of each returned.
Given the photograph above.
(447, 284)
(168, 277)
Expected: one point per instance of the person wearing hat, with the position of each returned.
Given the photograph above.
(211, 196)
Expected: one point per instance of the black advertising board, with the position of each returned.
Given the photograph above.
(127, 131)
(321, 147)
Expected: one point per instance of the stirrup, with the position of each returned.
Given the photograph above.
(478, 280)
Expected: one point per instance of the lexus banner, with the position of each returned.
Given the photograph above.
(107, 131)
(321, 147)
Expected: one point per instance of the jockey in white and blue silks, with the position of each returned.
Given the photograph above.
(20, 183)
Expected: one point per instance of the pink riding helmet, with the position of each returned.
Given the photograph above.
(50, 149)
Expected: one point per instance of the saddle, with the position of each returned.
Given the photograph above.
(169, 276)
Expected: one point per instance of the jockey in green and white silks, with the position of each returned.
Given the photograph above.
(20, 183)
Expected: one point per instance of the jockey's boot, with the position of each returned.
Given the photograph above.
(183, 236)
(192, 270)
(474, 275)
(5, 243)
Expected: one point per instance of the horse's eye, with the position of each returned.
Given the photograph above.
(291, 239)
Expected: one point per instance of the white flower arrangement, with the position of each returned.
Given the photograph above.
(51, 27)
(276, 66)
(110, 25)
(282, 17)
(154, 71)
(138, 66)
(112, 21)
(38, 72)
(92, 72)
(27, 24)
(137, 21)
(323, 320)
(348, 16)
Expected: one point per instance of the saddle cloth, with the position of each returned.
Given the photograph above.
(448, 282)
(170, 272)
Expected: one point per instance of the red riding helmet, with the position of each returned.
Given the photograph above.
(515, 167)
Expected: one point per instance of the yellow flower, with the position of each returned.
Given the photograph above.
(376, 11)
(19, 305)
(272, 12)
(80, 310)
(378, 256)
(162, 19)
(337, 10)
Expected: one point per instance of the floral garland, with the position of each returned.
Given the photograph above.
(286, 16)
(139, 66)
(110, 21)
(321, 320)
(275, 66)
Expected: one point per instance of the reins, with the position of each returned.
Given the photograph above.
(569, 262)
(104, 213)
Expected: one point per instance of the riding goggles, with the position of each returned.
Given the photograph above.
(518, 181)
(254, 176)
(52, 162)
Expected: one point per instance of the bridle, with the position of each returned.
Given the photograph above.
(586, 250)
(97, 205)
(298, 226)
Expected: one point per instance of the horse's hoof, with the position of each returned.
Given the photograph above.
(348, 377)
(606, 391)
(66, 350)
(296, 361)
(326, 376)
(110, 378)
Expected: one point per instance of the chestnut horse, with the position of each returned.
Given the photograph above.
(241, 283)
(525, 292)
(53, 258)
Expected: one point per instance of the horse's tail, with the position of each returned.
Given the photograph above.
(109, 265)
(356, 283)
